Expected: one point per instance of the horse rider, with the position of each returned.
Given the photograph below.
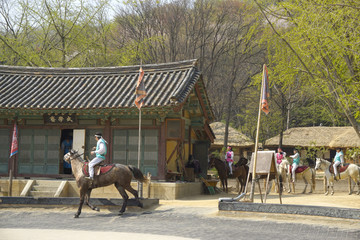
(280, 155)
(229, 157)
(296, 162)
(338, 159)
(99, 152)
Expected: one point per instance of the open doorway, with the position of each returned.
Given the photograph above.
(66, 144)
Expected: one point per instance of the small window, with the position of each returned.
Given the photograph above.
(173, 128)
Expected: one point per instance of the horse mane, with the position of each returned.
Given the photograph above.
(77, 155)
(242, 161)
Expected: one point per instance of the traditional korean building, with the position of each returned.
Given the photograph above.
(240, 143)
(52, 104)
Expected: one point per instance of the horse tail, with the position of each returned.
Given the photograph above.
(138, 174)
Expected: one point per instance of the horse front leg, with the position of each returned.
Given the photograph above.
(306, 183)
(226, 183)
(82, 198)
(332, 187)
(288, 183)
(87, 201)
(350, 188)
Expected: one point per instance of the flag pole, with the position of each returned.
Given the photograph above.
(257, 140)
(140, 185)
(13, 152)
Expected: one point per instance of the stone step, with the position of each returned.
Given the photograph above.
(48, 183)
(37, 194)
(42, 188)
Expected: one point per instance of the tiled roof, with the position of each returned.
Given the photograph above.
(96, 88)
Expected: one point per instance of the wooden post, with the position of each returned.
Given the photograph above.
(149, 184)
(10, 183)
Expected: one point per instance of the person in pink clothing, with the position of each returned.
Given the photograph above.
(229, 157)
(280, 155)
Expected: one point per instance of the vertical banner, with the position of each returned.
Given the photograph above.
(14, 142)
(265, 91)
(140, 90)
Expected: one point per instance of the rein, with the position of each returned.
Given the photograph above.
(78, 155)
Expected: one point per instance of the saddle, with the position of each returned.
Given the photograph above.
(99, 169)
(299, 169)
(339, 168)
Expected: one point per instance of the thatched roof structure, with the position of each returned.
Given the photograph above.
(235, 139)
(331, 137)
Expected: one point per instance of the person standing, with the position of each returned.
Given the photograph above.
(66, 146)
(296, 162)
(229, 157)
(100, 153)
(338, 159)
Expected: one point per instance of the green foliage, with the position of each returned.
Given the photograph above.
(313, 151)
(324, 54)
(353, 154)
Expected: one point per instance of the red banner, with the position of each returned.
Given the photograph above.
(14, 143)
(265, 91)
(140, 90)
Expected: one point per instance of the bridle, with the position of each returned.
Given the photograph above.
(319, 163)
(74, 155)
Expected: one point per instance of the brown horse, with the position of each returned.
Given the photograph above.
(240, 171)
(120, 175)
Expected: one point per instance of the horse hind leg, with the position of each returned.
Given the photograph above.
(124, 196)
(87, 201)
(136, 195)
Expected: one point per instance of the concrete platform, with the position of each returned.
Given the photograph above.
(69, 201)
(350, 213)
(68, 188)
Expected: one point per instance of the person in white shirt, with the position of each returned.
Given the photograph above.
(100, 153)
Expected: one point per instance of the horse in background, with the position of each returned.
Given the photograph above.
(305, 172)
(351, 171)
(119, 175)
(240, 171)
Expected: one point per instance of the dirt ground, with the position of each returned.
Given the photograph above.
(341, 199)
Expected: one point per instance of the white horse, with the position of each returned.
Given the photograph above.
(352, 172)
(282, 170)
(308, 175)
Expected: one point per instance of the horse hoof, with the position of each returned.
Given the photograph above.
(326, 194)
(76, 216)
(332, 193)
(121, 213)
(97, 209)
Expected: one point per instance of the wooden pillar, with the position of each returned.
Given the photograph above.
(162, 152)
